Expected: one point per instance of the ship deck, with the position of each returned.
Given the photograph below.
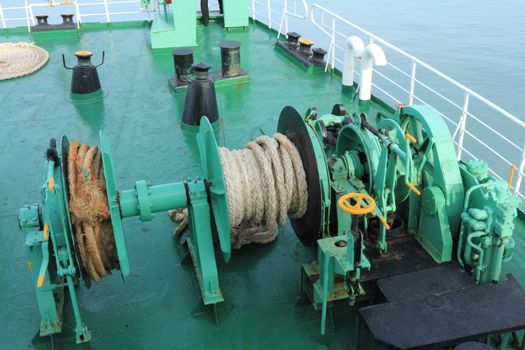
(159, 306)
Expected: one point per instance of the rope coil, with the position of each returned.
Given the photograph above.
(19, 59)
(266, 182)
(89, 210)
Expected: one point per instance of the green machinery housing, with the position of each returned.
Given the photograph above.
(178, 27)
(369, 177)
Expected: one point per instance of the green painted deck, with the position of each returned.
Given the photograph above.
(156, 307)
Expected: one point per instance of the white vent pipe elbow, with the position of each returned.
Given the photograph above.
(354, 50)
(372, 55)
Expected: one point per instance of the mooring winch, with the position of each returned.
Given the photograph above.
(357, 187)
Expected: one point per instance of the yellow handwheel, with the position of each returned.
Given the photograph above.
(358, 208)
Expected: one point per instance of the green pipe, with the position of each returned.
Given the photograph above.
(496, 269)
(470, 245)
(461, 224)
(145, 199)
(326, 270)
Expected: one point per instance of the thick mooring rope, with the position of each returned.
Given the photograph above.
(19, 59)
(89, 210)
(266, 182)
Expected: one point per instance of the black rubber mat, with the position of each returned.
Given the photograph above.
(405, 254)
(448, 318)
(436, 280)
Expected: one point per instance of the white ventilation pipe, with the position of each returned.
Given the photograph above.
(372, 55)
(353, 52)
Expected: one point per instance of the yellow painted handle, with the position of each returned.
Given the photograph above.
(40, 281)
(383, 220)
(359, 208)
(50, 184)
(511, 176)
(410, 138)
(413, 188)
(46, 232)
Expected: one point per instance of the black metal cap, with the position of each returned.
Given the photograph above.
(318, 56)
(182, 51)
(293, 39)
(230, 45)
(293, 36)
(83, 54)
(42, 20)
(201, 70)
(67, 18)
(305, 47)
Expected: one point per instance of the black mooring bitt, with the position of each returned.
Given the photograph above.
(183, 61)
(85, 78)
(231, 58)
(200, 97)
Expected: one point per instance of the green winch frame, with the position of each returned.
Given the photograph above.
(405, 164)
(49, 222)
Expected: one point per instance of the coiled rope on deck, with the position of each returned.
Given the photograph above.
(19, 59)
(265, 182)
(89, 210)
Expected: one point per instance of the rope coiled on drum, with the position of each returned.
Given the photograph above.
(266, 182)
(89, 210)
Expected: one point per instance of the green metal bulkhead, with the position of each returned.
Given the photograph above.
(178, 29)
(235, 13)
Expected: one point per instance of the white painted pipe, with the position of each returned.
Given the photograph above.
(353, 52)
(372, 55)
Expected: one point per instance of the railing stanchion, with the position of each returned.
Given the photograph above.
(412, 83)
(332, 62)
(79, 16)
(253, 10)
(520, 172)
(107, 11)
(269, 2)
(462, 124)
(285, 14)
(27, 17)
(4, 24)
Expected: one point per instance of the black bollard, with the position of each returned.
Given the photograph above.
(183, 60)
(85, 77)
(231, 58)
(305, 47)
(42, 20)
(292, 40)
(318, 55)
(200, 97)
(67, 18)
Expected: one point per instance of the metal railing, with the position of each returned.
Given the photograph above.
(406, 79)
(84, 10)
